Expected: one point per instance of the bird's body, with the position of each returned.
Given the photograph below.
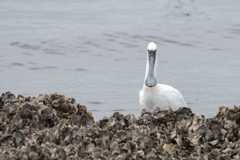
(162, 96)
(157, 95)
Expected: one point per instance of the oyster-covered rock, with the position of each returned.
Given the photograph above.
(55, 127)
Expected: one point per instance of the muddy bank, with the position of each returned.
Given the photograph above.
(56, 127)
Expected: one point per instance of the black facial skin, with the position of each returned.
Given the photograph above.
(151, 80)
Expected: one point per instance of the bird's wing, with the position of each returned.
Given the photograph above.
(173, 97)
(141, 98)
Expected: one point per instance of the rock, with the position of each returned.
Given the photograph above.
(60, 154)
(55, 127)
(229, 124)
(130, 118)
(168, 148)
(46, 113)
(198, 126)
(209, 135)
(214, 142)
(214, 154)
(11, 107)
(18, 138)
(139, 154)
(121, 133)
(228, 152)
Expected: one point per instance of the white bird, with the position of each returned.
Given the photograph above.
(154, 94)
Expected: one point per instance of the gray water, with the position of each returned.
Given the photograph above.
(95, 51)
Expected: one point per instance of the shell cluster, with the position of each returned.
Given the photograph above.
(55, 127)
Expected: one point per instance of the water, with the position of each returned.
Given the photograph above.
(95, 51)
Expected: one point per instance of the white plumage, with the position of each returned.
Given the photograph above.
(157, 95)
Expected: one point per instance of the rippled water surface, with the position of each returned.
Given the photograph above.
(95, 51)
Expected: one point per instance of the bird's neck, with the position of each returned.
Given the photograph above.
(147, 68)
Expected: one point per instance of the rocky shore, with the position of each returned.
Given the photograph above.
(55, 127)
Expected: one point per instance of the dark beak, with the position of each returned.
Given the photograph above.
(151, 80)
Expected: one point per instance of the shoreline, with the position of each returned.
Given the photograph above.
(56, 127)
